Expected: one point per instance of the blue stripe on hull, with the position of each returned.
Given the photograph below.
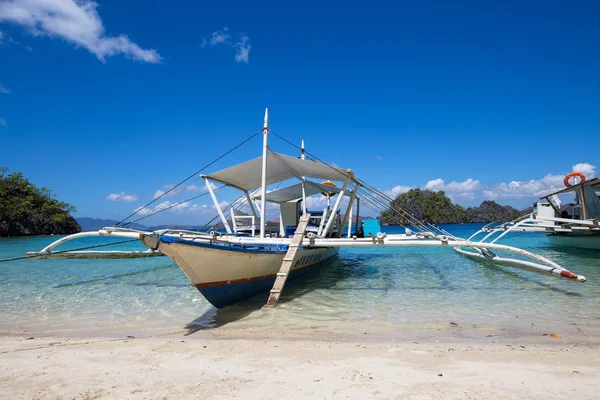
(223, 296)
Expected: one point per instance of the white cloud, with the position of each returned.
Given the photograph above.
(2, 122)
(224, 38)
(464, 190)
(158, 193)
(142, 210)
(198, 208)
(122, 197)
(535, 187)
(379, 158)
(586, 169)
(319, 202)
(3, 89)
(75, 21)
(222, 204)
(165, 204)
(180, 207)
(219, 37)
(243, 50)
(316, 202)
(471, 189)
(181, 189)
(396, 190)
(436, 184)
(174, 207)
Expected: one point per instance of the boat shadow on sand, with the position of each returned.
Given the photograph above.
(324, 278)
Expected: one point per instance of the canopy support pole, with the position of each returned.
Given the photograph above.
(252, 210)
(348, 211)
(357, 212)
(263, 202)
(336, 206)
(219, 210)
(350, 224)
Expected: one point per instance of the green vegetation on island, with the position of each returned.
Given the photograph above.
(26, 209)
(437, 208)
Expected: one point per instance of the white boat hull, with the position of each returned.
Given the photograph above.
(578, 241)
(226, 273)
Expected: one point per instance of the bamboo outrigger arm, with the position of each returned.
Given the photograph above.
(469, 248)
(85, 252)
(476, 249)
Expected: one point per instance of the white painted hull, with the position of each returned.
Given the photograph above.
(580, 241)
(228, 274)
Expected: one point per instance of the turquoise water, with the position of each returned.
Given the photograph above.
(387, 290)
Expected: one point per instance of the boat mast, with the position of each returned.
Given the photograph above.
(303, 183)
(263, 202)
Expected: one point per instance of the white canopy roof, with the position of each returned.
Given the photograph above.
(248, 175)
(294, 192)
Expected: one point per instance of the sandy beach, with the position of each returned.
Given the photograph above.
(177, 366)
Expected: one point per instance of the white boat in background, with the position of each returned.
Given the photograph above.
(573, 224)
(244, 259)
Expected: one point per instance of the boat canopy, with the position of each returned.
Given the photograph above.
(294, 192)
(280, 167)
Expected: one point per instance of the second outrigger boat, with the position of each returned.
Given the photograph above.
(244, 258)
(575, 224)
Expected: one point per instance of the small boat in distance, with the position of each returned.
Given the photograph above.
(244, 259)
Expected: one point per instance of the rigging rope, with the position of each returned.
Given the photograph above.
(66, 251)
(383, 198)
(187, 179)
(168, 208)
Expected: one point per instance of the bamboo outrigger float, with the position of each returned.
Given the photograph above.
(236, 264)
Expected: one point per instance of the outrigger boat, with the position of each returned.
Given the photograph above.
(244, 259)
(568, 225)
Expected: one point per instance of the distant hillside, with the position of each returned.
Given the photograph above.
(490, 211)
(94, 224)
(28, 210)
(437, 208)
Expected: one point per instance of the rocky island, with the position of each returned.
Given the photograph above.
(437, 208)
(27, 210)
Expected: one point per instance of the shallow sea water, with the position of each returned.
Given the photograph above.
(390, 292)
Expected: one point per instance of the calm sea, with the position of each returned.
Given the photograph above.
(390, 291)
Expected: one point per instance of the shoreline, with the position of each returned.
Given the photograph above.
(349, 332)
(175, 366)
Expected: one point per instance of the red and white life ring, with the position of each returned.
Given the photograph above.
(572, 174)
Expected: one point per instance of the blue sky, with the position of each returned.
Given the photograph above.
(122, 99)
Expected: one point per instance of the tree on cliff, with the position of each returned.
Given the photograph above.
(427, 205)
(437, 208)
(490, 211)
(28, 210)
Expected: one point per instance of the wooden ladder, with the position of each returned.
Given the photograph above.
(288, 261)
